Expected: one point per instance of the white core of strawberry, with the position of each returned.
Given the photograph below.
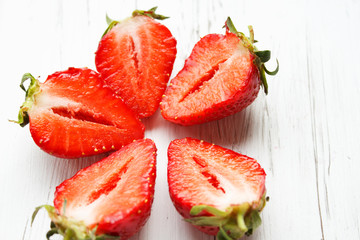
(130, 27)
(86, 213)
(235, 194)
(47, 101)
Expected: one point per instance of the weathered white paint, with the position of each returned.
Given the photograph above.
(305, 133)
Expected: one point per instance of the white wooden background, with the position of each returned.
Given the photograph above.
(305, 133)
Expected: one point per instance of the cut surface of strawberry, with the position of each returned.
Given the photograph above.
(216, 189)
(72, 114)
(135, 58)
(112, 197)
(221, 77)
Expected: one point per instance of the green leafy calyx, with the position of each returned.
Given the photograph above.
(233, 223)
(111, 23)
(150, 13)
(30, 95)
(261, 57)
(69, 228)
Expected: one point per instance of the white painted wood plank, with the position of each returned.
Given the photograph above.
(305, 133)
(334, 92)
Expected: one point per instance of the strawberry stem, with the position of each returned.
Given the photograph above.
(30, 94)
(261, 57)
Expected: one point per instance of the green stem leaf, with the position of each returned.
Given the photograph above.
(241, 221)
(263, 78)
(50, 233)
(273, 72)
(252, 221)
(230, 26)
(35, 213)
(30, 94)
(251, 31)
(213, 221)
(263, 55)
(150, 13)
(108, 20)
(111, 25)
(222, 235)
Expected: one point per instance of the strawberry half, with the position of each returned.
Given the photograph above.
(72, 114)
(219, 191)
(135, 58)
(221, 77)
(112, 197)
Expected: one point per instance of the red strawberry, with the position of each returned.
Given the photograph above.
(222, 76)
(72, 114)
(112, 196)
(219, 191)
(135, 57)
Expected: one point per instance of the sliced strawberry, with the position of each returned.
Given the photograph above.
(135, 58)
(222, 76)
(216, 189)
(112, 196)
(72, 114)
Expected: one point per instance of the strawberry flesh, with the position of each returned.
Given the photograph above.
(218, 79)
(200, 173)
(114, 194)
(136, 58)
(74, 115)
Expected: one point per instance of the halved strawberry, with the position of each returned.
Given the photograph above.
(111, 197)
(219, 191)
(222, 76)
(72, 114)
(135, 58)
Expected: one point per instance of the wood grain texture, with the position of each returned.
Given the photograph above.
(305, 133)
